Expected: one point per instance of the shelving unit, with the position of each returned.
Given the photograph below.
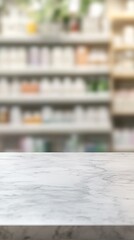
(122, 78)
(56, 129)
(117, 77)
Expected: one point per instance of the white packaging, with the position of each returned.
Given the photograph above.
(74, 6)
(96, 9)
(118, 39)
(103, 115)
(5, 58)
(34, 56)
(4, 87)
(105, 25)
(79, 114)
(14, 57)
(130, 5)
(91, 118)
(67, 86)
(27, 144)
(57, 57)
(79, 86)
(22, 57)
(68, 56)
(46, 87)
(15, 87)
(56, 86)
(45, 57)
(15, 115)
(47, 114)
(128, 35)
(59, 116)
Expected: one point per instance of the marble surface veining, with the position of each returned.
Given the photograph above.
(66, 189)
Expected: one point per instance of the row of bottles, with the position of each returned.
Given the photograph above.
(45, 115)
(15, 22)
(47, 144)
(47, 86)
(15, 57)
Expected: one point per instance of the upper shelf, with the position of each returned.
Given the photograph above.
(122, 16)
(123, 75)
(123, 47)
(75, 38)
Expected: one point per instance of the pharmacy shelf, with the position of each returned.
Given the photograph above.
(37, 71)
(57, 128)
(124, 149)
(122, 113)
(75, 38)
(123, 75)
(55, 99)
(124, 47)
(122, 16)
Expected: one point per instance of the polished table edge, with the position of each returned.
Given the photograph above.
(67, 233)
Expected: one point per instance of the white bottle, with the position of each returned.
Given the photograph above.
(56, 86)
(79, 86)
(104, 116)
(15, 115)
(67, 86)
(5, 58)
(27, 144)
(22, 23)
(118, 39)
(14, 58)
(118, 138)
(34, 56)
(96, 9)
(105, 25)
(130, 5)
(22, 57)
(15, 87)
(14, 21)
(74, 6)
(128, 35)
(47, 115)
(57, 57)
(46, 87)
(45, 57)
(79, 114)
(59, 116)
(4, 87)
(85, 25)
(91, 116)
(69, 59)
(68, 116)
(4, 25)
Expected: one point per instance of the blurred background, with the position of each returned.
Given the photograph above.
(66, 75)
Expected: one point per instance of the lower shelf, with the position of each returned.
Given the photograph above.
(57, 128)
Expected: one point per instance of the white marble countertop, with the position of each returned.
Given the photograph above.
(66, 189)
